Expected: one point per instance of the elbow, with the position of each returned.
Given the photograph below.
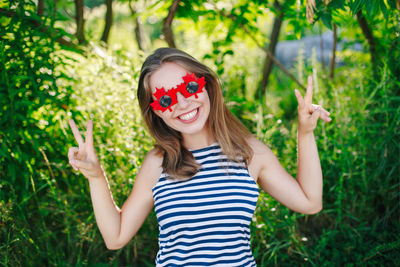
(114, 245)
(314, 209)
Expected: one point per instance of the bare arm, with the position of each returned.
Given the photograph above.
(140, 202)
(303, 194)
(117, 226)
(309, 173)
(277, 182)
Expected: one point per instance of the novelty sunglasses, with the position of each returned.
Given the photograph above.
(191, 86)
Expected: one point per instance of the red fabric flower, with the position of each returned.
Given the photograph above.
(159, 94)
(191, 78)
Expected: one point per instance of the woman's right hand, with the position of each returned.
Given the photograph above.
(84, 157)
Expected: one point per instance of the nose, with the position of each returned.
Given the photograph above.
(183, 102)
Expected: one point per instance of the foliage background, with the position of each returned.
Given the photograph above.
(47, 77)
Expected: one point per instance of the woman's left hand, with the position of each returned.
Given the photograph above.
(308, 112)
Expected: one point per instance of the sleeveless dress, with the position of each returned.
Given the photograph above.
(205, 221)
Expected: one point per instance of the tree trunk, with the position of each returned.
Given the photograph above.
(265, 49)
(80, 34)
(333, 58)
(167, 30)
(108, 19)
(138, 34)
(138, 30)
(371, 41)
(40, 8)
(271, 48)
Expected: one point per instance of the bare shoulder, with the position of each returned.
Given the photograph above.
(262, 154)
(258, 147)
(151, 168)
(153, 157)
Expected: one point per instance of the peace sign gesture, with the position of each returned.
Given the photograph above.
(84, 157)
(308, 112)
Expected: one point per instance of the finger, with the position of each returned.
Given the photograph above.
(72, 151)
(316, 114)
(75, 131)
(74, 167)
(71, 156)
(299, 98)
(79, 164)
(89, 133)
(324, 113)
(314, 107)
(309, 93)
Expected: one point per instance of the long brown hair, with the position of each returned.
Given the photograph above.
(178, 162)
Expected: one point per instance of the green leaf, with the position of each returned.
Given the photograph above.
(356, 6)
(327, 20)
(228, 52)
(369, 6)
(384, 9)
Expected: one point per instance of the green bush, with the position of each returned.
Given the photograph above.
(32, 168)
(46, 213)
(359, 157)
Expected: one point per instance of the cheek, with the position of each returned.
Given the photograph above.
(164, 116)
(158, 113)
(206, 98)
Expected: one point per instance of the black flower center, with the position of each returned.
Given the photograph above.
(165, 101)
(192, 87)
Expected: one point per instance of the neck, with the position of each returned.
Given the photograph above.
(198, 140)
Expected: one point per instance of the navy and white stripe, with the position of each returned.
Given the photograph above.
(205, 221)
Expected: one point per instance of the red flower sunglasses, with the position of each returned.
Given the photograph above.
(191, 86)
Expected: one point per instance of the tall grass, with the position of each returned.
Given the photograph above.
(359, 152)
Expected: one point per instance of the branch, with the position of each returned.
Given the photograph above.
(167, 31)
(35, 23)
(40, 8)
(362, 21)
(265, 49)
(138, 31)
(80, 21)
(271, 48)
(108, 21)
(332, 65)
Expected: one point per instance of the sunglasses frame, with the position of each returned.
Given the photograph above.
(165, 100)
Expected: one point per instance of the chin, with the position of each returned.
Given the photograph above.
(195, 127)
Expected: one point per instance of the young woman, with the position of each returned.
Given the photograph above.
(202, 175)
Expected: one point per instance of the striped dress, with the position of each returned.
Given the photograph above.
(205, 221)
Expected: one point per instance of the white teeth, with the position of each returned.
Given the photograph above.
(188, 116)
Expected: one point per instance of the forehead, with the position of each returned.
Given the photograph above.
(168, 75)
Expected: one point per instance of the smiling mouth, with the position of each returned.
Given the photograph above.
(190, 116)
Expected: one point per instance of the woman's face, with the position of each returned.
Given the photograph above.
(190, 115)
